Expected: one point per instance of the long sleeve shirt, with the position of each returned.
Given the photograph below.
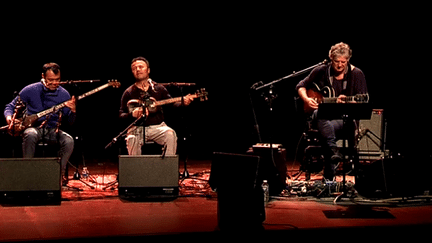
(36, 98)
(159, 92)
(353, 83)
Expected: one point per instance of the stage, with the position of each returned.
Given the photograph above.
(95, 213)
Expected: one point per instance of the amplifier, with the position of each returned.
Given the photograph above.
(271, 169)
(30, 179)
(148, 176)
(372, 135)
(372, 141)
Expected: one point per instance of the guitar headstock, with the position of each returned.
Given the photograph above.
(202, 94)
(114, 83)
(362, 98)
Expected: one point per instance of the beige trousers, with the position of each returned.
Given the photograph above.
(160, 134)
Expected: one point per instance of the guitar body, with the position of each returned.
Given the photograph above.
(150, 104)
(318, 95)
(327, 95)
(20, 125)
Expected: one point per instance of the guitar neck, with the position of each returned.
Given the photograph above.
(334, 99)
(94, 91)
(169, 101)
(61, 105)
(51, 110)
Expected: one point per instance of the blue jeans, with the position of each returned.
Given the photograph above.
(32, 136)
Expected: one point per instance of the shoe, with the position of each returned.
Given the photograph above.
(64, 181)
(336, 157)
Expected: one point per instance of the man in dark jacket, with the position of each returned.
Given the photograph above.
(339, 79)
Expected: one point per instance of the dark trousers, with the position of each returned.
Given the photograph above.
(331, 131)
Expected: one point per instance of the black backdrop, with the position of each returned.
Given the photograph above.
(225, 52)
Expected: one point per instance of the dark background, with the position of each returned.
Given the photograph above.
(224, 49)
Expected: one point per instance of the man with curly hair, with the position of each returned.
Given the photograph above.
(343, 79)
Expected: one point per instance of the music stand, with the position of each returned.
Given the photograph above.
(346, 112)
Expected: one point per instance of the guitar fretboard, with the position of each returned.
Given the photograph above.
(334, 99)
(59, 106)
(172, 100)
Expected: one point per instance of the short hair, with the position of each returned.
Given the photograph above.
(51, 66)
(141, 59)
(340, 49)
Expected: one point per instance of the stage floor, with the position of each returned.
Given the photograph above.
(101, 214)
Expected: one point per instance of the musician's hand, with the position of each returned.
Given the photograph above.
(312, 103)
(138, 112)
(71, 104)
(341, 99)
(188, 99)
(9, 119)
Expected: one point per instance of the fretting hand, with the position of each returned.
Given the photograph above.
(71, 104)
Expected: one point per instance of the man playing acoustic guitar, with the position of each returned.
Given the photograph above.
(155, 129)
(340, 80)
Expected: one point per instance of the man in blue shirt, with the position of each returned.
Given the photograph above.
(38, 97)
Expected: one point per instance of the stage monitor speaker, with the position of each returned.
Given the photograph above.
(240, 196)
(148, 177)
(30, 179)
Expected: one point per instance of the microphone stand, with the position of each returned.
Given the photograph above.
(115, 139)
(18, 106)
(122, 133)
(270, 96)
(294, 74)
(185, 140)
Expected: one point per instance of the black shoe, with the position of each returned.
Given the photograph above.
(336, 157)
(64, 181)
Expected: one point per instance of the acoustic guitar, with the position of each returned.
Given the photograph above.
(327, 95)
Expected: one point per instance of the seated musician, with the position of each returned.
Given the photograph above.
(343, 80)
(152, 125)
(38, 97)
